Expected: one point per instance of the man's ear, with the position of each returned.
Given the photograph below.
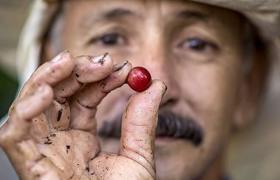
(251, 90)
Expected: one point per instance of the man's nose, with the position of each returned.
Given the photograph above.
(160, 66)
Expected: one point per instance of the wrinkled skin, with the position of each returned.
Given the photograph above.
(56, 139)
(198, 54)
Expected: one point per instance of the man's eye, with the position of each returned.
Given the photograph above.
(197, 44)
(110, 39)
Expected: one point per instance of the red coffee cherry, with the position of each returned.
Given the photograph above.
(139, 79)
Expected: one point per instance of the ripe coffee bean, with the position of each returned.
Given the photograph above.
(139, 79)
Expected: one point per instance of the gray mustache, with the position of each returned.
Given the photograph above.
(169, 125)
(176, 126)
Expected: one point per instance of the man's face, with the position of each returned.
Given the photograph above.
(195, 49)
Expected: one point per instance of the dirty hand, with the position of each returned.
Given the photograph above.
(51, 131)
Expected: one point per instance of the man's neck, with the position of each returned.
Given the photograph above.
(216, 171)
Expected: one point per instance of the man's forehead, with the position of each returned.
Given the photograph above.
(114, 9)
(167, 13)
(138, 8)
(140, 5)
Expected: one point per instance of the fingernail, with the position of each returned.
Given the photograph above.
(118, 67)
(59, 56)
(101, 59)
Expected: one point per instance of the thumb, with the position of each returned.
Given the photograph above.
(139, 125)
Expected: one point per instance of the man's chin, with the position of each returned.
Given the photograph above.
(166, 146)
(174, 158)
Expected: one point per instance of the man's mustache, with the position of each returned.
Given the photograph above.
(169, 125)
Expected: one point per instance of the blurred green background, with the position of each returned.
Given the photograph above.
(12, 16)
(7, 92)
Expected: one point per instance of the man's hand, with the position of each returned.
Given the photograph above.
(51, 131)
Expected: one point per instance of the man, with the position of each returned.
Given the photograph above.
(65, 123)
